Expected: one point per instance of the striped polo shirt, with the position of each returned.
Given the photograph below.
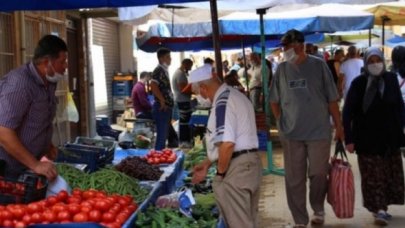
(28, 107)
(232, 119)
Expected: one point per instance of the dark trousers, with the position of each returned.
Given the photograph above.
(184, 121)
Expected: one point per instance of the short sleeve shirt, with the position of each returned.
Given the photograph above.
(232, 119)
(304, 92)
(161, 77)
(28, 107)
(180, 77)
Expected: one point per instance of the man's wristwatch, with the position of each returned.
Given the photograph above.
(221, 174)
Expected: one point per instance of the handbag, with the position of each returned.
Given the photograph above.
(341, 190)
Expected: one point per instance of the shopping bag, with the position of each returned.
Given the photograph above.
(71, 110)
(341, 189)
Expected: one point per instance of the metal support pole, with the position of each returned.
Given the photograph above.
(384, 19)
(369, 37)
(216, 38)
(271, 169)
(245, 69)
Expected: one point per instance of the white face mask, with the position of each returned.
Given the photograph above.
(290, 55)
(205, 102)
(56, 77)
(375, 69)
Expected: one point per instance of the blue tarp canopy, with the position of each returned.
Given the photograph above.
(245, 26)
(7, 5)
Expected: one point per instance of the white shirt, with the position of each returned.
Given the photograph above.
(232, 119)
(255, 73)
(351, 68)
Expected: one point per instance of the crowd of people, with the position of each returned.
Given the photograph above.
(307, 91)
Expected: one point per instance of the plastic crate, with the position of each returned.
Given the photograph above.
(120, 103)
(94, 153)
(102, 121)
(29, 187)
(122, 88)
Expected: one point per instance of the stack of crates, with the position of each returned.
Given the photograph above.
(122, 88)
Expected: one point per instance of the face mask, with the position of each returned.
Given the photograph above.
(290, 55)
(203, 101)
(56, 76)
(375, 69)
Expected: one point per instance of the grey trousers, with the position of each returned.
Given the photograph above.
(255, 94)
(300, 158)
(237, 195)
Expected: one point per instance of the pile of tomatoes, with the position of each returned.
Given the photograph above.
(155, 157)
(82, 206)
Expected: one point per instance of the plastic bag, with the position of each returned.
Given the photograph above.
(182, 199)
(71, 110)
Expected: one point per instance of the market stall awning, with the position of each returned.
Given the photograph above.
(7, 5)
(393, 12)
(244, 27)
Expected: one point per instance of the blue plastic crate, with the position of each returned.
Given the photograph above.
(93, 152)
(122, 88)
(102, 120)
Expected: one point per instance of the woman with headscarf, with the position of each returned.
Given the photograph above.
(398, 66)
(373, 118)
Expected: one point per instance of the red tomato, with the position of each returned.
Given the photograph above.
(86, 204)
(47, 216)
(77, 192)
(62, 196)
(36, 217)
(113, 225)
(121, 218)
(58, 208)
(95, 216)
(132, 207)
(20, 224)
(101, 194)
(26, 219)
(108, 217)
(18, 212)
(63, 216)
(33, 207)
(85, 209)
(116, 207)
(51, 200)
(74, 199)
(8, 223)
(115, 198)
(81, 217)
(102, 205)
(73, 208)
(6, 215)
(89, 194)
(124, 201)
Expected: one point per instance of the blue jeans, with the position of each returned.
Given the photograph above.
(164, 128)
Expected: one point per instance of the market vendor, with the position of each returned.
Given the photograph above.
(232, 144)
(28, 107)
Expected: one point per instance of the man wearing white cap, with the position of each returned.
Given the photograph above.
(232, 144)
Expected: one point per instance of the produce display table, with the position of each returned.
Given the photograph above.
(165, 185)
